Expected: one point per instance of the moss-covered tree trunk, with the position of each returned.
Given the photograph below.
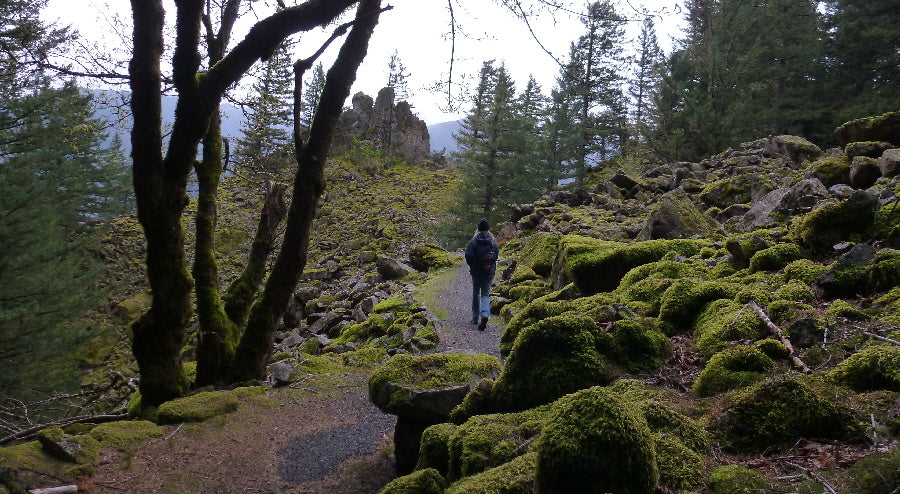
(309, 183)
(160, 183)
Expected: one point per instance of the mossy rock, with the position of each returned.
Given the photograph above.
(528, 292)
(683, 301)
(804, 270)
(80, 449)
(434, 448)
(736, 479)
(427, 481)
(123, 433)
(638, 345)
(679, 467)
(884, 127)
(732, 368)
(648, 282)
(872, 368)
(573, 250)
(783, 410)
(880, 274)
(832, 170)
(783, 312)
(574, 451)
(428, 387)
(842, 308)
(794, 290)
(522, 274)
(478, 401)
(551, 358)
(514, 477)
(876, 474)
(487, 441)
(726, 192)
(602, 269)
(674, 216)
(721, 322)
(775, 257)
(198, 407)
(663, 419)
(426, 257)
(834, 222)
(539, 252)
(773, 348)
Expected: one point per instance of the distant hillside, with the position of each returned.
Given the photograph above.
(111, 106)
(442, 136)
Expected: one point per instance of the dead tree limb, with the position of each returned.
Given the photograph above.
(32, 431)
(780, 334)
(55, 490)
(877, 337)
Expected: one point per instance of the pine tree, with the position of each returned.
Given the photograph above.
(398, 78)
(646, 78)
(521, 171)
(264, 148)
(561, 138)
(312, 93)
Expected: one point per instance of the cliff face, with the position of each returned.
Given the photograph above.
(385, 125)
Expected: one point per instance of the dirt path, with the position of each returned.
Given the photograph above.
(323, 437)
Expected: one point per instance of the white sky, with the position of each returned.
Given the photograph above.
(418, 30)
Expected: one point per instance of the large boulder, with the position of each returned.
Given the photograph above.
(796, 148)
(834, 222)
(596, 442)
(425, 257)
(889, 163)
(675, 216)
(884, 128)
(392, 269)
(422, 390)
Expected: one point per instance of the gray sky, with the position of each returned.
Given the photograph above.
(419, 31)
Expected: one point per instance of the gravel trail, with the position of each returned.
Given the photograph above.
(457, 334)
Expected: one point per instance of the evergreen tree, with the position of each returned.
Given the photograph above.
(398, 78)
(264, 148)
(312, 93)
(646, 78)
(561, 140)
(863, 48)
(521, 172)
(597, 58)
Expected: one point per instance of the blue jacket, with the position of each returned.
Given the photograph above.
(482, 243)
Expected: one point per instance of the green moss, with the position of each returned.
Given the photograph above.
(775, 257)
(434, 448)
(794, 290)
(783, 312)
(842, 308)
(427, 481)
(394, 304)
(551, 358)
(755, 292)
(803, 270)
(881, 274)
(198, 407)
(874, 367)
(876, 474)
(80, 449)
(427, 257)
(487, 441)
(638, 345)
(648, 282)
(732, 368)
(685, 299)
(783, 410)
(479, 400)
(773, 348)
(434, 370)
(679, 467)
(528, 292)
(539, 252)
(832, 171)
(602, 269)
(663, 419)
(728, 191)
(736, 479)
(723, 321)
(573, 454)
(514, 477)
(834, 222)
(31, 456)
(122, 434)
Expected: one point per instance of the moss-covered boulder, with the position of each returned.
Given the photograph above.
(742, 249)
(121, 434)
(204, 405)
(736, 479)
(596, 442)
(576, 251)
(834, 222)
(602, 269)
(776, 257)
(884, 127)
(638, 345)
(876, 474)
(794, 147)
(732, 368)
(832, 170)
(675, 216)
(487, 441)
(727, 192)
(549, 359)
(848, 278)
(81, 449)
(427, 481)
(664, 419)
(425, 257)
(514, 477)
(679, 467)
(872, 368)
(434, 449)
(782, 410)
(539, 252)
(647, 282)
(685, 299)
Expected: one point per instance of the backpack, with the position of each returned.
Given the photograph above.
(484, 254)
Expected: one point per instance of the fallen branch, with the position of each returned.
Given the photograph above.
(55, 490)
(818, 478)
(780, 334)
(32, 431)
(877, 337)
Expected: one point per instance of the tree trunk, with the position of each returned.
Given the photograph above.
(309, 182)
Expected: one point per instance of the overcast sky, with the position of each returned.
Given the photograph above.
(419, 31)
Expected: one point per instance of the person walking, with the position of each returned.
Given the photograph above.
(481, 256)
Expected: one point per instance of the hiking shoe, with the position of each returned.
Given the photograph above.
(483, 323)
(474, 320)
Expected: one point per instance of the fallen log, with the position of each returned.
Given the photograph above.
(55, 490)
(780, 334)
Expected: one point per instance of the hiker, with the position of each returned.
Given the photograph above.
(481, 256)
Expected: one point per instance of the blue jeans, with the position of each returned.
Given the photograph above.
(481, 297)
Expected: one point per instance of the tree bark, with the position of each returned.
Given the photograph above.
(309, 182)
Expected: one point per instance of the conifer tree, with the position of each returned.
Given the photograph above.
(266, 138)
(312, 93)
(398, 78)
(646, 78)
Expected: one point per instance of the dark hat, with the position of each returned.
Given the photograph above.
(483, 225)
